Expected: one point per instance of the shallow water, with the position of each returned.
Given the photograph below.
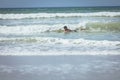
(60, 67)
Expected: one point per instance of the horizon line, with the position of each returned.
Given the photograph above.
(59, 7)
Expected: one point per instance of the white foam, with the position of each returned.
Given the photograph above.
(59, 46)
(30, 29)
(50, 40)
(60, 53)
(49, 15)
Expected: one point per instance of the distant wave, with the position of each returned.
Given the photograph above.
(52, 15)
(37, 29)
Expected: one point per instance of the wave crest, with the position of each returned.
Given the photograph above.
(37, 29)
(50, 40)
(53, 15)
(58, 46)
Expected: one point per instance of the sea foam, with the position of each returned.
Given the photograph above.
(57, 46)
(90, 26)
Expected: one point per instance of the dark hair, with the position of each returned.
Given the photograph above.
(65, 26)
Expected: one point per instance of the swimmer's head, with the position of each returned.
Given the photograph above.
(65, 27)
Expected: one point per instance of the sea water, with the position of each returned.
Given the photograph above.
(39, 31)
(80, 67)
(33, 45)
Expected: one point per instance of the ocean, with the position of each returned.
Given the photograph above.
(39, 31)
(35, 37)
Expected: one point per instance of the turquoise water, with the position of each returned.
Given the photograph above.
(39, 31)
(61, 10)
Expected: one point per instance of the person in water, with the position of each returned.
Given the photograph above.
(68, 30)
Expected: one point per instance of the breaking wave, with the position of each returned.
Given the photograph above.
(50, 40)
(58, 46)
(36, 29)
(53, 15)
